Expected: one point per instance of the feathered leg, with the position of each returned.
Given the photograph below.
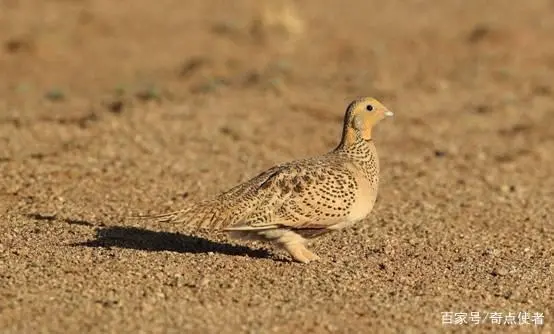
(286, 239)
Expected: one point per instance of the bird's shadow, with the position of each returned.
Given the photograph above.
(148, 240)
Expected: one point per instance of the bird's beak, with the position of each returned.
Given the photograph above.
(389, 113)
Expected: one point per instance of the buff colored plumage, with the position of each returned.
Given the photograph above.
(299, 200)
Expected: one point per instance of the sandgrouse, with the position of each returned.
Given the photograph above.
(299, 200)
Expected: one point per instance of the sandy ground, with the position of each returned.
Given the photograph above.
(109, 109)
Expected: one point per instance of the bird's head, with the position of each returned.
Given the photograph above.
(361, 115)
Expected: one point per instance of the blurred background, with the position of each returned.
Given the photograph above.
(109, 108)
(267, 81)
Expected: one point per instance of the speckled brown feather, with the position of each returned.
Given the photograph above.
(311, 193)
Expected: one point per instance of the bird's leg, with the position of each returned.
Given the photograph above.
(290, 241)
(298, 252)
(294, 244)
(309, 254)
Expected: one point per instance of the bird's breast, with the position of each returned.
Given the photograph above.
(366, 194)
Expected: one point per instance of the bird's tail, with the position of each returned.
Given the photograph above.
(203, 214)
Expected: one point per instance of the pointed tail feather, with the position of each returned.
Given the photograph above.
(202, 214)
(161, 216)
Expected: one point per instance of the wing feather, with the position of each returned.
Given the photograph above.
(296, 195)
(291, 197)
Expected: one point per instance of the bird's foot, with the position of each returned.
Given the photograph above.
(300, 253)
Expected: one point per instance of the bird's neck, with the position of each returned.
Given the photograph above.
(355, 146)
(363, 153)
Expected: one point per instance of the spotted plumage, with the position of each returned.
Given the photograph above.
(302, 199)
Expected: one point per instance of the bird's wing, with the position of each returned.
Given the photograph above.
(307, 194)
(226, 209)
(313, 195)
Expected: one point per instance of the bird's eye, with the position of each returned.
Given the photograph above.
(369, 107)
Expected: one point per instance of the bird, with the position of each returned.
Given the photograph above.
(292, 203)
